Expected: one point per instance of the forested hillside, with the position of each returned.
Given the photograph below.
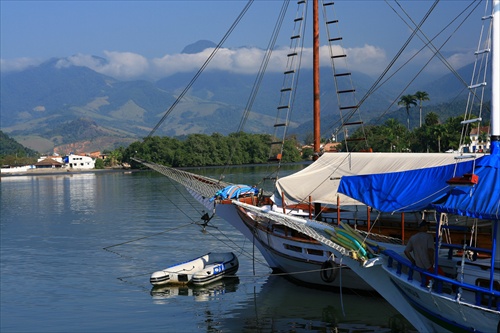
(9, 146)
(13, 153)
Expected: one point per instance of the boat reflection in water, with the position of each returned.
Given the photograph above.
(281, 306)
(199, 293)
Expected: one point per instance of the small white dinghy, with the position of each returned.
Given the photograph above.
(199, 271)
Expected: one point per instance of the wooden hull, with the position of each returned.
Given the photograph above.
(302, 259)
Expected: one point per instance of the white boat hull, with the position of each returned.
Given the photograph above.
(444, 310)
(200, 271)
(308, 263)
(429, 309)
(379, 280)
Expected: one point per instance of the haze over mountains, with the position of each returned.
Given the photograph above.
(59, 107)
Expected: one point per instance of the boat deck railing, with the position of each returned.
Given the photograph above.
(485, 297)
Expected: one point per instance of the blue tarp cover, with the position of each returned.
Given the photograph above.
(404, 191)
(235, 191)
(481, 200)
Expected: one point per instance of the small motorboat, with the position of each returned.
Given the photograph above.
(199, 271)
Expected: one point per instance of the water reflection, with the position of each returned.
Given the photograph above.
(59, 262)
(52, 194)
(82, 191)
(205, 293)
(285, 307)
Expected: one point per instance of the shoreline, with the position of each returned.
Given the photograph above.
(49, 172)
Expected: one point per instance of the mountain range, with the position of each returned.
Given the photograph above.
(53, 108)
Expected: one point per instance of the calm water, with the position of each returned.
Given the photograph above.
(77, 251)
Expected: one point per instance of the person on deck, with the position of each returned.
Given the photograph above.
(420, 247)
(420, 250)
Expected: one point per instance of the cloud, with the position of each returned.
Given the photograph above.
(80, 60)
(178, 63)
(120, 65)
(460, 59)
(456, 60)
(129, 66)
(19, 64)
(427, 61)
(125, 64)
(367, 59)
(242, 61)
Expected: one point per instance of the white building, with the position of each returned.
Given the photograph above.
(480, 140)
(79, 162)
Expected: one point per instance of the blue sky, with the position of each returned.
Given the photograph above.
(145, 38)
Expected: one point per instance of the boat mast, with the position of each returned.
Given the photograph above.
(495, 115)
(495, 80)
(316, 93)
(316, 103)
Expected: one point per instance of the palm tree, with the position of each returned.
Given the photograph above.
(394, 134)
(421, 96)
(439, 131)
(407, 101)
(431, 119)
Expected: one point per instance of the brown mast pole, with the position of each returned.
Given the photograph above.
(316, 104)
(316, 93)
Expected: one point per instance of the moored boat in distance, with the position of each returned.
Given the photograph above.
(200, 271)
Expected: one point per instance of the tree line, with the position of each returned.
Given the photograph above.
(433, 136)
(197, 150)
(243, 148)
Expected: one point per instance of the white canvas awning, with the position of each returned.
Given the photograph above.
(321, 179)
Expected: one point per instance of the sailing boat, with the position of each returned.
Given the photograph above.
(467, 297)
(302, 258)
(259, 216)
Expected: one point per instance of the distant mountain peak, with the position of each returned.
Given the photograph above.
(198, 46)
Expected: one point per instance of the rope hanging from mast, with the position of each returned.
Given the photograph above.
(260, 76)
(205, 64)
(396, 57)
(428, 43)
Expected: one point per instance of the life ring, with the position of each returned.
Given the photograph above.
(329, 271)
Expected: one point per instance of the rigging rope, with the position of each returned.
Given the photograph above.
(205, 186)
(398, 54)
(292, 66)
(376, 85)
(263, 66)
(258, 79)
(214, 52)
(343, 119)
(292, 222)
(428, 44)
(149, 236)
(204, 225)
